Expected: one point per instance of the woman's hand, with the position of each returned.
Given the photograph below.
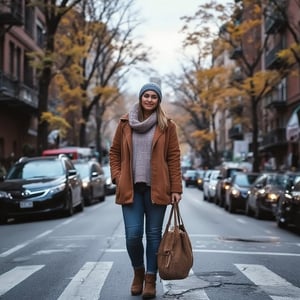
(175, 197)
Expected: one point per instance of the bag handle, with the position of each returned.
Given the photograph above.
(175, 213)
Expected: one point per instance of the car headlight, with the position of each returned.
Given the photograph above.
(58, 188)
(272, 197)
(226, 186)
(108, 181)
(85, 184)
(235, 192)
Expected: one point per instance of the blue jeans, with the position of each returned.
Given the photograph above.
(134, 215)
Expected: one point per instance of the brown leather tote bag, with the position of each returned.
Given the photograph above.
(175, 253)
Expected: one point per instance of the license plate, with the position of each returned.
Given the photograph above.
(26, 204)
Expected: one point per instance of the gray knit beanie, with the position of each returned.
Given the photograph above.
(151, 86)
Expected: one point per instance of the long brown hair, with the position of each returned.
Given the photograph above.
(162, 119)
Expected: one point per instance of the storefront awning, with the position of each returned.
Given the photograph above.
(293, 126)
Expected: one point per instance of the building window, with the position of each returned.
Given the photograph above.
(28, 72)
(11, 59)
(40, 34)
(18, 62)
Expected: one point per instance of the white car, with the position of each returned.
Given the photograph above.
(213, 180)
(206, 183)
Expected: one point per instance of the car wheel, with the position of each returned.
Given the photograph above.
(258, 211)
(102, 198)
(69, 205)
(3, 219)
(80, 207)
(231, 207)
(248, 211)
(280, 220)
(221, 203)
(90, 197)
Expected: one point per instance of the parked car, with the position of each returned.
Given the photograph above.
(236, 195)
(200, 179)
(223, 184)
(212, 183)
(264, 194)
(110, 188)
(40, 185)
(93, 180)
(190, 177)
(206, 183)
(287, 211)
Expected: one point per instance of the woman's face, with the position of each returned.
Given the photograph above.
(149, 102)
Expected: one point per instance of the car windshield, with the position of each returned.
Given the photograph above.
(245, 179)
(83, 170)
(191, 173)
(231, 172)
(278, 180)
(34, 169)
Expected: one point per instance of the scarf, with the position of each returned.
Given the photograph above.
(142, 136)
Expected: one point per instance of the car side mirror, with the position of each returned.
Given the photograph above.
(72, 172)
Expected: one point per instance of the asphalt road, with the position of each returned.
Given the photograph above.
(83, 257)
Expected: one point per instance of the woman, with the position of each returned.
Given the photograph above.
(145, 165)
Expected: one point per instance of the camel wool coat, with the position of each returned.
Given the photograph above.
(165, 163)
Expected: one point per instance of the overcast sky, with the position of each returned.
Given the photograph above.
(160, 30)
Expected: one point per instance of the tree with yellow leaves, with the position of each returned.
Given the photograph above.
(200, 95)
(241, 37)
(44, 61)
(98, 50)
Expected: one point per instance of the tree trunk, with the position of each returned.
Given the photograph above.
(42, 137)
(255, 135)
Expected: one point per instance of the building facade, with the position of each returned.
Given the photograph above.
(21, 34)
(278, 113)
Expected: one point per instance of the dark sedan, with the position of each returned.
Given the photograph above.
(40, 185)
(190, 177)
(236, 195)
(93, 180)
(288, 207)
(264, 194)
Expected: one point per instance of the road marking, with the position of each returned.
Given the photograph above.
(18, 247)
(51, 251)
(88, 281)
(43, 234)
(219, 251)
(14, 249)
(239, 220)
(274, 285)
(13, 277)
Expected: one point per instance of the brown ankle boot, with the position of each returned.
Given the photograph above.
(138, 281)
(149, 291)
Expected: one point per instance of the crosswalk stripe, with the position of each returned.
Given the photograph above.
(88, 281)
(275, 286)
(13, 277)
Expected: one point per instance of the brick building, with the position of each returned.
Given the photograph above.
(21, 32)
